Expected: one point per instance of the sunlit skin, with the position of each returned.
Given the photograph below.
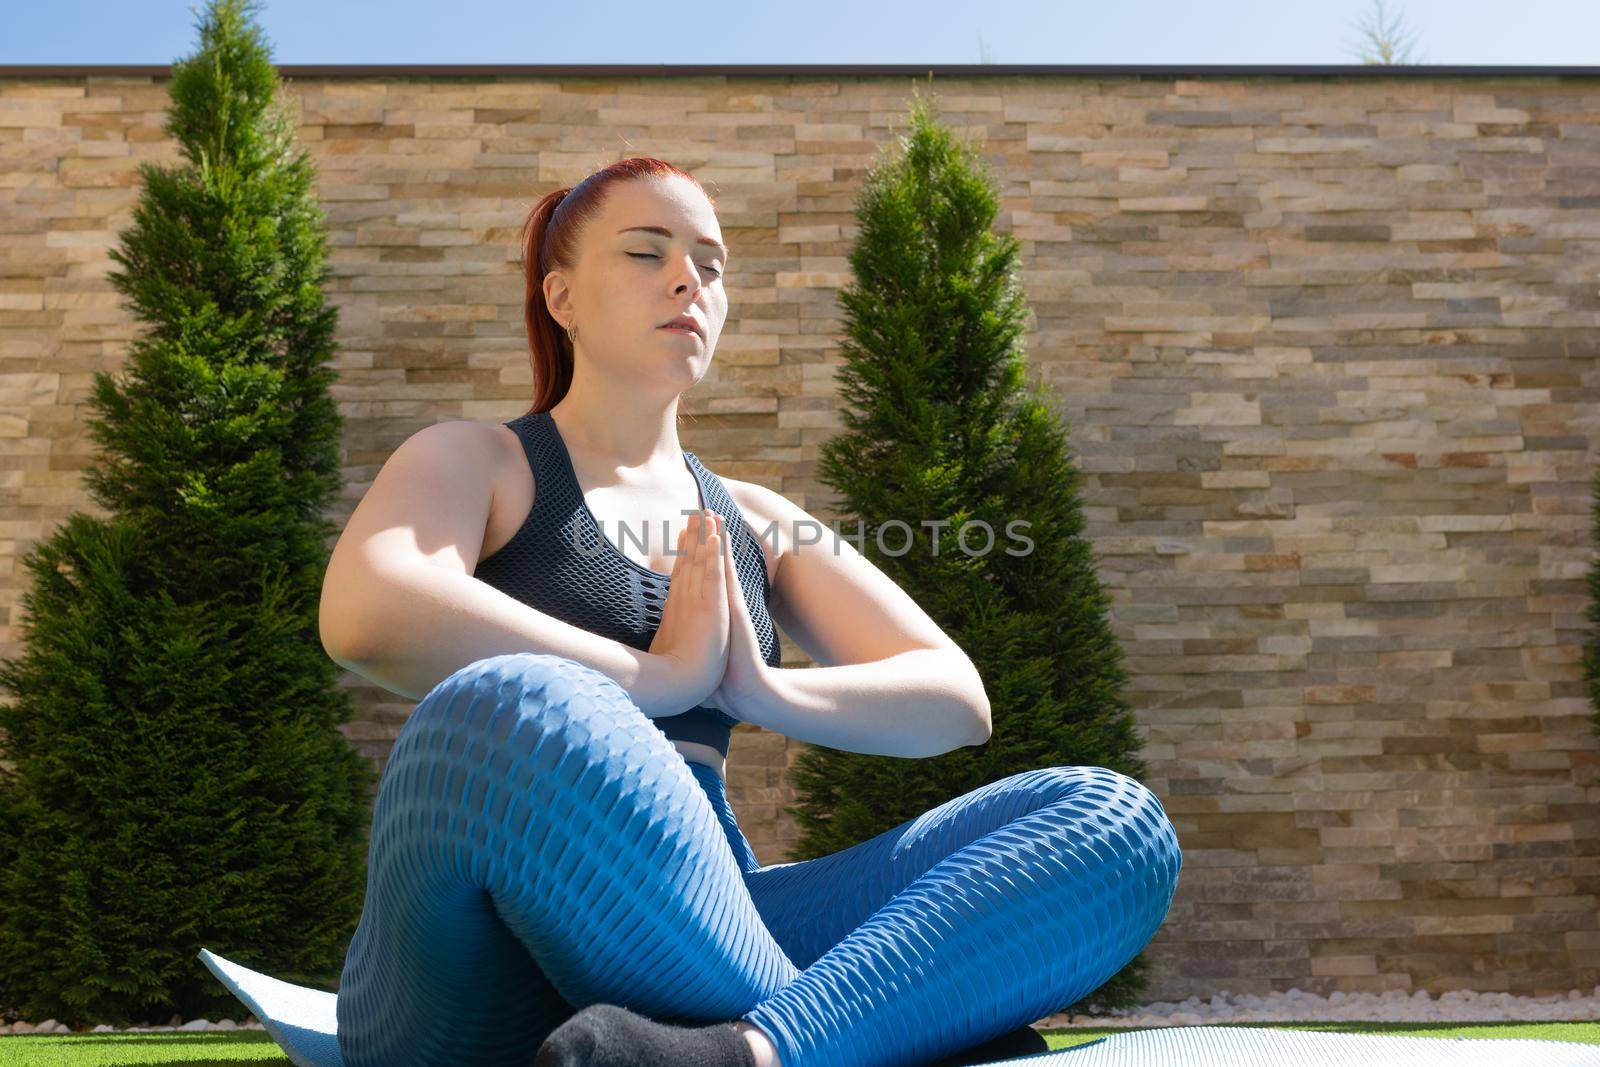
(629, 373)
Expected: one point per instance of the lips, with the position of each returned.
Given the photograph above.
(685, 322)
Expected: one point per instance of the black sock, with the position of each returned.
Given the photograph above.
(1024, 1041)
(606, 1035)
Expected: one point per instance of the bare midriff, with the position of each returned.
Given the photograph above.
(695, 752)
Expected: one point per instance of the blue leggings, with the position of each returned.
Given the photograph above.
(538, 845)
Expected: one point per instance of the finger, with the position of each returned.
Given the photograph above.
(683, 566)
(728, 572)
(678, 553)
(741, 609)
(714, 551)
(714, 557)
(725, 583)
(695, 576)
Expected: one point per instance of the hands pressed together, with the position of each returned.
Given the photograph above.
(706, 632)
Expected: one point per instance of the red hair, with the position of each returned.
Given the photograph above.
(550, 240)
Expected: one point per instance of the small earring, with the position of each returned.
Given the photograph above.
(572, 334)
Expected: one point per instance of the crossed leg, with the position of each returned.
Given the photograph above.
(983, 914)
(538, 846)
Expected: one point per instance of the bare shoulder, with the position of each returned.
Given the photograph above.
(428, 503)
(480, 444)
(511, 482)
(457, 443)
(477, 463)
(503, 444)
(461, 437)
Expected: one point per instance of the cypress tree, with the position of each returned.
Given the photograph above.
(942, 428)
(176, 776)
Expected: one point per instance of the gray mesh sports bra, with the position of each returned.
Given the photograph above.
(560, 562)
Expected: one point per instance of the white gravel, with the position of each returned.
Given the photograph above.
(1394, 1005)
(1295, 1006)
(51, 1026)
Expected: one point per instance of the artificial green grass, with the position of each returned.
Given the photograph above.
(234, 1048)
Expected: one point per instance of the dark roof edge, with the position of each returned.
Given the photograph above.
(587, 70)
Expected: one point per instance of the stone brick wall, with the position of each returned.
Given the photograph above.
(1325, 345)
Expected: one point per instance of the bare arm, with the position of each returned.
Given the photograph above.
(890, 681)
(428, 622)
(915, 704)
(399, 603)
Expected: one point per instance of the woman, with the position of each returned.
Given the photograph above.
(554, 864)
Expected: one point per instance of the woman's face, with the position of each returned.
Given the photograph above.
(629, 280)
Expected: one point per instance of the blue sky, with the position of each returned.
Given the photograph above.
(1321, 32)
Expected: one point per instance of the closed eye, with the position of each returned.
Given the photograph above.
(651, 255)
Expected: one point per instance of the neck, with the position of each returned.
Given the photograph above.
(622, 428)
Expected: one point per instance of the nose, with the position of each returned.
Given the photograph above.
(688, 273)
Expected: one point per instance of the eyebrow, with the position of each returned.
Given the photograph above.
(664, 232)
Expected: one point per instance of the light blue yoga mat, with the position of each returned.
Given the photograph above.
(303, 1023)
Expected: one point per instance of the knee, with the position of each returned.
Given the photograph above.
(525, 693)
(1156, 831)
(1129, 790)
(1101, 784)
(515, 674)
(1131, 798)
(1138, 799)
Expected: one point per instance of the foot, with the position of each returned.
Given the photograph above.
(1024, 1041)
(606, 1035)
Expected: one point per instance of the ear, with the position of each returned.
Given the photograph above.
(557, 295)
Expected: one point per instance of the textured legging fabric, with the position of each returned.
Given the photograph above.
(538, 845)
